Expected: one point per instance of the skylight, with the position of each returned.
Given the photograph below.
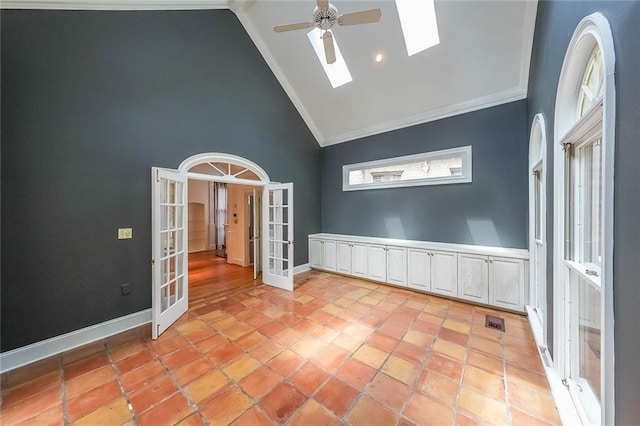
(337, 72)
(419, 25)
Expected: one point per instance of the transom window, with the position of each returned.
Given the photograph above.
(224, 170)
(429, 168)
(592, 83)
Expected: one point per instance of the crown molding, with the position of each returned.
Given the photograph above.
(277, 71)
(115, 4)
(528, 30)
(476, 104)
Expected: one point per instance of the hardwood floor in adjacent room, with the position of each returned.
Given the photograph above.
(211, 275)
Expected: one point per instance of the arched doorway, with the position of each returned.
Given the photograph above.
(170, 228)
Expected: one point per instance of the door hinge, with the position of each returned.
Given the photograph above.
(158, 329)
(157, 175)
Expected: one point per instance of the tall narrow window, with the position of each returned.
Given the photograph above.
(537, 304)
(583, 187)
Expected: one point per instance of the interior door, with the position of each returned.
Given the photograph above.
(169, 241)
(277, 235)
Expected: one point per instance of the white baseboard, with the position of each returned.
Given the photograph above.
(566, 408)
(19, 357)
(40, 350)
(301, 268)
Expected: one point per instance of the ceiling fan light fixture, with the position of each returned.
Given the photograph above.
(337, 72)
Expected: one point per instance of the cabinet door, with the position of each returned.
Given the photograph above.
(315, 254)
(444, 273)
(397, 265)
(507, 282)
(419, 269)
(343, 262)
(359, 260)
(329, 255)
(377, 261)
(473, 277)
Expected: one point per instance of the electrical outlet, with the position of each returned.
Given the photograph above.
(125, 233)
(126, 289)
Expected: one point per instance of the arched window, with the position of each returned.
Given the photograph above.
(537, 304)
(583, 211)
(592, 83)
(225, 168)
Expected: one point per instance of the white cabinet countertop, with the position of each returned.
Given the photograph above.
(426, 245)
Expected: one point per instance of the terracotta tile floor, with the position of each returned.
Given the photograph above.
(335, 351)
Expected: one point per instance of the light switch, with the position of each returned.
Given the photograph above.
(125, 233)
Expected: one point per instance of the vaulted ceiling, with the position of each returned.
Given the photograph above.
(482, 59)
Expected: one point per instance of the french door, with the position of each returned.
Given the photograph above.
(169, 241)
(170, 289)
(277, 208)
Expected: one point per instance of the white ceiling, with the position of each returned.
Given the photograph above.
(482, 59)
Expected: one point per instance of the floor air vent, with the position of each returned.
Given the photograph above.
(494, 322)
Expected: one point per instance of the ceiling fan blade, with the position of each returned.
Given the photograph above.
(329, 49)
(364, 17)
(292, 27)
(323, 4)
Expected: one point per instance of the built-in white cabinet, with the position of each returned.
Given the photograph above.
(433, 270)
(315, 254)
(473, 277)
(387, 264)
(397, 265)
(322, 254)
(444, 273)
(505, 278)
(488, 275)
(352, 259)
(377, 262)
(419, 269)
(493, 280)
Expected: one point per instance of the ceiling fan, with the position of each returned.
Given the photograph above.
(325, 17)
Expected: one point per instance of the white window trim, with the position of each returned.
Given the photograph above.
(465, 177)
(538, 161)
(593, 29)
(218, 157)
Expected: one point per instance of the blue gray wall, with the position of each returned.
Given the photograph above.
(90, 102)
(556, 22)
(492, 210)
